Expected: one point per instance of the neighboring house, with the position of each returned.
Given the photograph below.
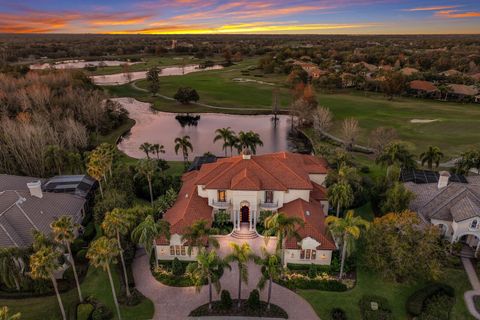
(424, 88)
(28, 204)
(461, 91)
(407, 71)
(451, 202)
(312, 69)
(244, 186)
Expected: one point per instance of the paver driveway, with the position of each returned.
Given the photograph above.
(176, 303)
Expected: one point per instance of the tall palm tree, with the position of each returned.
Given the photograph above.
(96, 170)
(184, 144)
(431, 156)
(226, 135)
(43, 264)
(64, 232)
(283, 227)
(396, 153)
(197, 234)
(249, 140)
(157, 149)
(146, 168)
(349, 230)
(115, 224)
(240, 255)
(209, 267)
(102, 253)
(54, 156)
(232, 143)
(147, 148)
(271, 269)
(5, 314)
(340, 195)
(149, 230)
(12, 266)
(106, 152)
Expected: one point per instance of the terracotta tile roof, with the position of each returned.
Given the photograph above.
(319, 192)
(426, 86)
(312, 215)
(407, 71)
(462, 89)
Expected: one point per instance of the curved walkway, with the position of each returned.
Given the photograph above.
(468, 295)
(176, 303)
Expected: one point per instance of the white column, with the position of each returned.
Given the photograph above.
(254, 220)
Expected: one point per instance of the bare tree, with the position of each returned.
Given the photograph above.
(322, 120)
(350, 129)
(381, 137)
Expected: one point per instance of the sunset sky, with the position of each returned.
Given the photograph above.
(240, 16)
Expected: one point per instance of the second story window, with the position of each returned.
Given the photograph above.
(222, 196)
(474, 224)
(269, 196)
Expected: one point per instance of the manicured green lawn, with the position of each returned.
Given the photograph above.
(96, 284)
(397, 294)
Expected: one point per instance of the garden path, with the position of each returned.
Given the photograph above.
(469, 295)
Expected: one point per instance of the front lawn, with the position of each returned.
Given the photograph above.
(369, 283)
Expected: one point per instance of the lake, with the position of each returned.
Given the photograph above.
(163, 127)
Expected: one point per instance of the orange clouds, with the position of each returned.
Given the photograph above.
(455, 14)
(431, 8)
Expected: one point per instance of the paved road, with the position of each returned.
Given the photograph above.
(176, 303)
(468, 296)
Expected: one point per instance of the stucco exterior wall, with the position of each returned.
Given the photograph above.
(323, 257)
(163, 251)
(318, 178)
(292, 195)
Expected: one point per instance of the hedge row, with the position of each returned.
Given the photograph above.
(324, 285)
(416, 302)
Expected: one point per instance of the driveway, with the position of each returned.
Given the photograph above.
(176, 303)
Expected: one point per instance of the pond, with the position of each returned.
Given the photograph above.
(123, 78)
(163, 127)
(79, 64)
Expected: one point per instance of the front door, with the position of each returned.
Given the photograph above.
(245, 213)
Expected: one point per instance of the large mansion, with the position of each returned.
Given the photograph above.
(245, 186)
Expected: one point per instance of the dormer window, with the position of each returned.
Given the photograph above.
(269, 196)
(474, 224)
(222, 196)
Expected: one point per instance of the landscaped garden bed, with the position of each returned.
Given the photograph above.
(173, 273)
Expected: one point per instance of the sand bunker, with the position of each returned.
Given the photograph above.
(252, 80)
(423, 120)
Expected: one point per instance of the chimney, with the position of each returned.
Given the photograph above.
(246, 154)
(443, 179)
(35, 189)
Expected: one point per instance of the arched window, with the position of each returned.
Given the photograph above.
(474, 224)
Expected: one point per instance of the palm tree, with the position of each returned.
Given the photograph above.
(147, 148)
(102, 253)
(5, 314)
(146, 168)
(209, 267)
(349, 229)
(249, 140)
(12, 266)
(43, 264)
(197, 234)
(226, 135)
(118, 222)
(184, 144)
(340, 195)
(106, 152)
(232, 143)
(431, 156)
(96, 170)
(240, 255)
(54, 156)
(271, 268)
(283, 227)
(149, 230)
(396, 153)
(157, 149)
(64, 232)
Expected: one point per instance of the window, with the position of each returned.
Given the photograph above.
(222, 196)
(302, 254)
(308, 254)
(269, 196)
(474, 224)
(172, 251)
(183, 250)
(177, 250)
(314, 254)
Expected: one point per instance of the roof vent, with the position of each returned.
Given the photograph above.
(307, 213)
(35, 189)
(186, 195)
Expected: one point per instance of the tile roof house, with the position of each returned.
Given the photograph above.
(243, 187)
(28, 204)
(454, 206)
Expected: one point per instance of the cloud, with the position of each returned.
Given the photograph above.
(455, 14)
(437, 8)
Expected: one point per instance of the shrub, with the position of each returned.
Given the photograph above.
(89, 232)
(77, 245)
(185, 95)
(437, 307)
(102, 312)
(177, 267)
(382, 313)
(338, 314)
(312, 271)
(84, 310)
(416, 302)
(81, 256)
(253, 301)
(225, 300)
(317, 284)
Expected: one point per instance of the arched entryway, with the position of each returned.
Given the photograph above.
(245, 214)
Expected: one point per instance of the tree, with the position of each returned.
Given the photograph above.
(184, 144)
(102, 253)
(393, 84)
(397, 248)
(146, 168)
(149, 230)
(283, 227)
(5, 314)
(249, 140)
(54, 158)
(209, 267)
(226, 135)
(381, 137)
(350, 131)
(433, 155)
(197, 234)
(96, 170)
(153, 79)
(468, 160)
(241, 255)
(397, 198)
(271, 270)
(185, 95)
(157, 149)
(116, 223)
(348, 229)
(340, 195)
(12, 266)
(64, 232)
(147, 148)
(396, 153)
(322, 120)
(43, 264)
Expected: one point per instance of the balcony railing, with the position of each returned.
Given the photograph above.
(269, 205)
(220, 204)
